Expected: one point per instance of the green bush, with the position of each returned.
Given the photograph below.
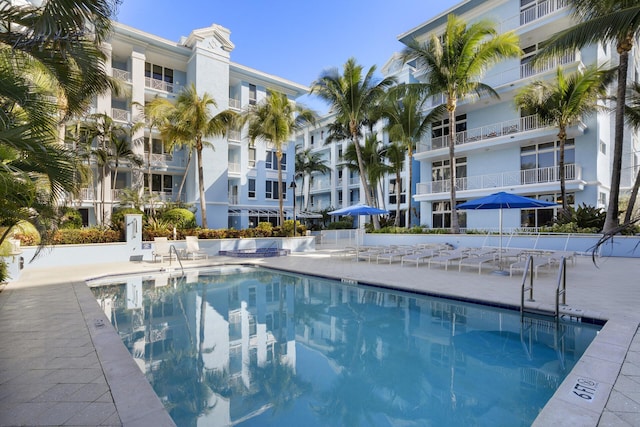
(584, 217)
(71, 219)
(117, 217)
(85, 235)
(4, 271)
(287, 229)
(345, 223)
(179, 218)
(264, 229)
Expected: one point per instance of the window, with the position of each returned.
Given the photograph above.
(441, 173)
(271, 191)
(252, 157)
(393, 192)
(251, 183)
(252, 94)
(603, 147)
(158, 72)
(441, 215)
(543, 216)
(272, 161)
(539, 162)
(311, 139)
(340, 197)
(159, 182)
(440, 129)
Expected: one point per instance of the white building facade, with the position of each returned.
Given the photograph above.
(499, 147)
(240, 178)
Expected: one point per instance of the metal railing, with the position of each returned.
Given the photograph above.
(528, 69)
(503, 179)
(158, 84)
(541, 9)
(235, 104)
(234, 167)
(528, 271)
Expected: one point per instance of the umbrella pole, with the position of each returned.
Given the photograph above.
(500, 271)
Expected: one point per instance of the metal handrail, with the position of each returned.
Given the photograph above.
(175, 251)
(528, 270)
(562, 280)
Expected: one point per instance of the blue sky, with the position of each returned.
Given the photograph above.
(296, 40)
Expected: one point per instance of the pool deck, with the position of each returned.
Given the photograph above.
(61, 363)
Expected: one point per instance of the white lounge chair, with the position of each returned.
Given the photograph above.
(393, 255)
(419, 256)
(193, 248)
(162, 249)
(448, 257)
(476, 261)
(537, 263)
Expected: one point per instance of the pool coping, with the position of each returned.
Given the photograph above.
(601, 363)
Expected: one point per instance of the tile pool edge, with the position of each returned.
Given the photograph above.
(135, 400)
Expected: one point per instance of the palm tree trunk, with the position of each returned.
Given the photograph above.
(632, 199)
(562, 136)
(363, 180)
(398, 193)
(611, 221)
(451, 106)
(281, 190)
(203, 203)
(184, 178)
(409, 184)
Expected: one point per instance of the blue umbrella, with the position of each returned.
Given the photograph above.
(359, 210)
(502, 201)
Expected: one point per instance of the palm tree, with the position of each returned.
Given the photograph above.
(189, 122)
(276, 119)
(456, 62)
(308, 162)
(46, 52)
(352, 96)
(121, 151)
(372, 159)
(605, 21)
(563, 102)
(395, 153)
(407, 123)
(632, 111)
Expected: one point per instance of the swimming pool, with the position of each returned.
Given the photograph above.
(258, 347)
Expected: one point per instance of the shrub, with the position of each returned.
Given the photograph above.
(344, 224)
(584, 217)
(26, 233)
(71, 219)
(86, 235)
(264, 229)
(117, 217)
(179, 218)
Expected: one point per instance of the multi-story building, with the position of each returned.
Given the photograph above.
(501, 148)
(241, 187)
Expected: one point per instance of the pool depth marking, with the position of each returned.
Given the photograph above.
(585, 389)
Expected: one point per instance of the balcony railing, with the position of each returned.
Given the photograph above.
(116, 194)
(235, 104)
(234, 135)
(528, 69)
(86, 194)
(541, 10)
(120, 115)
(509, 127)
(504, 179)
(321, 185)
(233, 200)
(166, 196)
(158, 159)
(354, 181)
(158, 84)
(234, 167)
(123, 75)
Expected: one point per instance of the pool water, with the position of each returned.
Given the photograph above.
(256, 347)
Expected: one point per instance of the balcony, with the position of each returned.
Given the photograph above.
(495, 130)
(504, 179)
(354, 180)
(234, 104)
(158, 84)
(528, 69)
(534, 13)
(120, 115)
(158, 159)
(233, 200)
(122, 75)
(166, 196)
(86, 194)
(320, 185)
(234, 168)
(234, 136)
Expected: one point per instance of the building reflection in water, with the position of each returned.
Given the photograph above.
(235, 344)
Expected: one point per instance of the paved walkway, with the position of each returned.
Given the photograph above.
(62, 364)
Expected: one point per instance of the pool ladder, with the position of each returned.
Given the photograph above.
(561, 288)
(175, 251)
